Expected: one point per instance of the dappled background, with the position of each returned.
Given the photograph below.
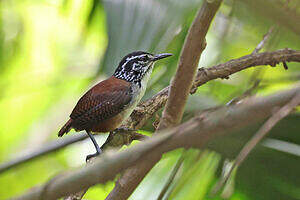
(52, 51)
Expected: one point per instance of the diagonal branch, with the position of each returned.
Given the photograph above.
(48, 148)
(261, 133)
(265, 40)
(192, 49)
(196, 132)
(110, 141)
(171, 178)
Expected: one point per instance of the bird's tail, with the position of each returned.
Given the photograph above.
(66, 128)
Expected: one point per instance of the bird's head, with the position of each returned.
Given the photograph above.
(134, 66)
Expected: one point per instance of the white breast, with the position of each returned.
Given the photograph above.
(138, 93)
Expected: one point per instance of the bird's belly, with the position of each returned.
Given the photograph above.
(139, 93)
(108, 125)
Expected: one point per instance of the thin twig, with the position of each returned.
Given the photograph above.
(261, 133)
(49, 148)
(258, 73)
(254, 78)
(264, 41)
(247, 93)
(267, 41)
(172, 175)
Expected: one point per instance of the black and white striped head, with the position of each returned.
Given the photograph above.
(136, 65)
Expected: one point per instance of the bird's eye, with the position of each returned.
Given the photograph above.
(144, 58)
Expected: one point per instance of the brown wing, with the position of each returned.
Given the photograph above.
(103, 101)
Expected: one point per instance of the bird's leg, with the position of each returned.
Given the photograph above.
(98, 149)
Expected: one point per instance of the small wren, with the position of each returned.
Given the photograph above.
(109, 103)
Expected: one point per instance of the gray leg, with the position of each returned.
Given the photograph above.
(98, 149)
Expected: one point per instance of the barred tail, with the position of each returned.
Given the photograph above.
(66, 128)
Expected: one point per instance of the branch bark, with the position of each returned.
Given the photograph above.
(225, 70)
(194, 133)
(192, 49)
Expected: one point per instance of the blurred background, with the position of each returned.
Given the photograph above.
(51, 51)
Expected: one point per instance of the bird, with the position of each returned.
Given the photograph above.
(106, 105)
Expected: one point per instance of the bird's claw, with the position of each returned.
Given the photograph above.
(88, 157)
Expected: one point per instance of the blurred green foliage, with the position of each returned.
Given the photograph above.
(52, 51)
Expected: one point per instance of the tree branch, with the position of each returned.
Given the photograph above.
(50, 147)
(192, 49)
(196, 132)
(261, 133)
(146, 109)
(236, 65)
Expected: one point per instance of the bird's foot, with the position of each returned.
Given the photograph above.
(90, 156)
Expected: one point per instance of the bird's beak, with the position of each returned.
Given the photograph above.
(161, 56)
